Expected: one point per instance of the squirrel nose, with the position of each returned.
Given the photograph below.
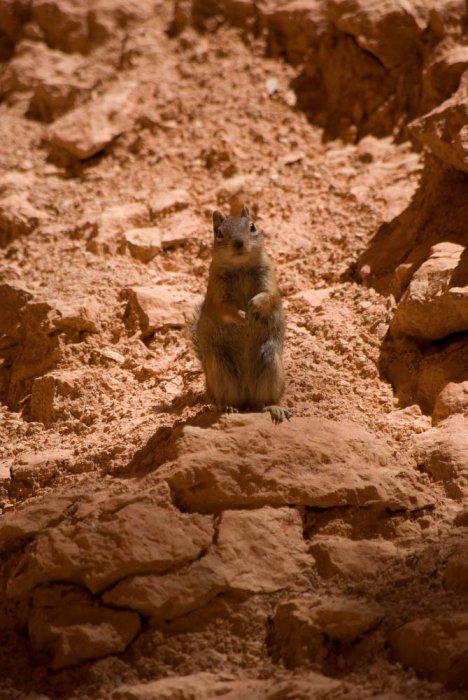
(238, 244)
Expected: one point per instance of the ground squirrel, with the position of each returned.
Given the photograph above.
(238, 330)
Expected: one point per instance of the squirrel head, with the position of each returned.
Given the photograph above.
(237, 239)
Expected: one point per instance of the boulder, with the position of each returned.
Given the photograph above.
(81, 316)
(69, 624)
(376, 25)
(106, 231)
(30, 328)
(443, 72)
(435, 647)
(90, 128)
(50, 81)
(456, 570)
(18, 217)
(160, 306)
(13, 299)
(244, 461)
(444, 130)
(13, 14)
(352, 559)
(294, 28)
(452, 399)
(52, 392)
(24, 521)
(443, 453)
(173, 231)
(441, 364)
(258, 551)
(80, 27)
(435, 303)
(64, 24)
(124, 536)
(304, 629)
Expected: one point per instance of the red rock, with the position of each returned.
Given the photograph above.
(32, 467)
(107, 230)
(204, 685)
(33, 516)
(436, 302)
(107, 545)
(294, 28)
(5, 471)
(82, 316)
(375, 27)
(86, 130)
(53, 81)
(443, 72)
(159, 306)
(352, 559)
(258, 551)
(143, 243)
(445, 130)
(179, 228)
(456, 571)
(66, 622)
(18, 218)
(435, 647)
(13, 299)
(443, 453)
(64, 24)
(50, 394)
(451, 400)
(167, 201)
(175, 230)
(302, 627)
(13, 14)
(309, 461)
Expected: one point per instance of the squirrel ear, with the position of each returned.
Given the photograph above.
(218, 219)
(245, 213)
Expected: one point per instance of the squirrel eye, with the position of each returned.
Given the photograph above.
(253, 228)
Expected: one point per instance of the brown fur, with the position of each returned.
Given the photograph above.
(238, 330)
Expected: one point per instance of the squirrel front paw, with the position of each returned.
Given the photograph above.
(260, 305)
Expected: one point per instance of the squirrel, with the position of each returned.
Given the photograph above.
(238, 330)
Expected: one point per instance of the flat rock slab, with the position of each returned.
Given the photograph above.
(259, 551)
(204, 686)
(244, 461)
(105, 541)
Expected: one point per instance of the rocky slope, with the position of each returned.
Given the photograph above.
(150, 547)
